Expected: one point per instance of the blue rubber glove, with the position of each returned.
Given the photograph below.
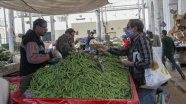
(93, 52)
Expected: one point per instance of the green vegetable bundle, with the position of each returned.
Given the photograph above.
(4, 54)
(13, 87)
(79, 76)
(109, 43)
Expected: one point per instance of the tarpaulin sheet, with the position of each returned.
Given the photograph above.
(53, 7)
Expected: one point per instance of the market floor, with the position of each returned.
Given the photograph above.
(176, 95)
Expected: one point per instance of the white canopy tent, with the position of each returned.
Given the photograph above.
(53, 7)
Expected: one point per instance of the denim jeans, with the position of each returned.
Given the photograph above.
(170, 56)
(146, 96)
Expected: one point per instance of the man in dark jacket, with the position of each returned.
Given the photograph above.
(168, 51)
(65, 43)
(154, 38)
(141, 44)
(32, 49)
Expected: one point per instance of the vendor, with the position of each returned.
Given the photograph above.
(65, 42)
(32, 49)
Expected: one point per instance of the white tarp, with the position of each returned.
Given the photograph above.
(53, 7)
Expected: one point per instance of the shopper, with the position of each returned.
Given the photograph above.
(32, 49)
(141, 44)
(126, 40)
(168, 51)
(88, 39)
(154, 38)
(65, 43)
(5, 97)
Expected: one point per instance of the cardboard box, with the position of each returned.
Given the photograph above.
(10, 68)
(95, 46)
(182, 22)
(177, 16)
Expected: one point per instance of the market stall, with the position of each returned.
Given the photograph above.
(84, 83)
(82, 77)
(7, 66)
(178, 34)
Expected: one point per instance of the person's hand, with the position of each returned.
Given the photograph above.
(54, 52)
(103, 48)
(165, 57)
(127, 63)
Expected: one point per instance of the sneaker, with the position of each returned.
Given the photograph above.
(183, 76)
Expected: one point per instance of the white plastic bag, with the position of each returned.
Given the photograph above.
(78, 45)
(156, 75)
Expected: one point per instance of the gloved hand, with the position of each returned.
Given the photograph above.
(49, 50)
(94, 52)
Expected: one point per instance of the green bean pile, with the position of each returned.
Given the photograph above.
(79, 76)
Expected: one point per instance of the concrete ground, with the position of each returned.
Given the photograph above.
(177, 88)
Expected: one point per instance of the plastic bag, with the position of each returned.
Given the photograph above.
(156, 75)
(28, 94)
(58, 56)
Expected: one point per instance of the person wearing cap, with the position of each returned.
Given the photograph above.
(154, 38)
(126, 40)
(65, 43)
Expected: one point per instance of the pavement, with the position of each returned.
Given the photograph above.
(177, 80)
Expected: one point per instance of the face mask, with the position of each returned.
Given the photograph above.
(129, 32)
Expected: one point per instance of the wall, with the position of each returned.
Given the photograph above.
(83, 27)
(154, 17)
(117, 26)
(181, 7)
(2, 38)
(58, 33)
(167, 5)
(161, 13)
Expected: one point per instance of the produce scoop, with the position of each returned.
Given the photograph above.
(101, 65)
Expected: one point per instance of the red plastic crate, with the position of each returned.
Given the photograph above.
(14, 80)
(17, 99)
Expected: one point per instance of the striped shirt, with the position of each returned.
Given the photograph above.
(143, 46)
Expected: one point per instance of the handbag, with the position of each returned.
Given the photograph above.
(156, 75)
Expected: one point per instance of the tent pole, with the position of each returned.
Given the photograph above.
(143, 11)
(23, 22)
(6, 35)
(10, 30)
(98, 24)
(30, 19)
(52, 27)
